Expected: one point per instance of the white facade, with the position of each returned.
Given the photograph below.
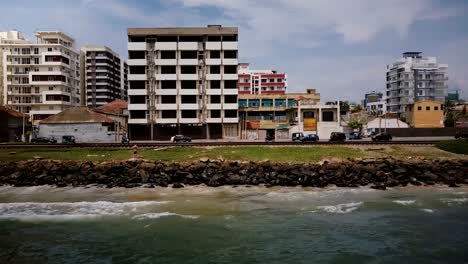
(415, 78)
(40, 78)
(261, 81)
(183, 76)
(377, 108)
(104, 76)
(83, 133)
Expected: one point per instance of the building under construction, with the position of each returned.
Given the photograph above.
(183, 81)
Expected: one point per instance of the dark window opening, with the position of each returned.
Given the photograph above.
(215, 69)
(230, 54)
(137, 70)
(215, 99)
(136, 54)
(230, 69)
(168, 69)
(168, 54)
(215, 113)
(169, 114)
(230, 113)
(57, 97)
(436, 108)
(138, 99)
(189, 113)
(188, 84)
(189, 99)
(137, 84)
(137, 114)
(188, 54)
(168, 99)
(327, 116)
(428, 108)
(190, 38)
(188, 69)
(136, 39)
(214, 38)
(230, 38)
(215, 54)
(167, 39)
(230, 84)
(214, 84)
(168, 85)
(230, 99)
(419, 108)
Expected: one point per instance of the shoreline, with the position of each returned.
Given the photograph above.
(377, 173)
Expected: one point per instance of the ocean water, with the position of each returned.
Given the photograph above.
(233, 225)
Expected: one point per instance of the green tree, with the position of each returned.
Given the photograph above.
(449, 120)
(356, 109)
(355, 124)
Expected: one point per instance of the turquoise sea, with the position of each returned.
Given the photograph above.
(233, 225)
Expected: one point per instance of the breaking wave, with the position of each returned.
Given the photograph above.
(404, 202)
(340, 208)
(451, 201)
(163, 214)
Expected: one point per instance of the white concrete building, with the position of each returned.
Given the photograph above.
(103, 76)
(377, 108)
(40, 78)
(183, 80)
(415, 78)
(261, 81)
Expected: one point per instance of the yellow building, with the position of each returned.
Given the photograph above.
(425, 114)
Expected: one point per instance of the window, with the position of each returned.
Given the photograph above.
(188, 54)
(51, 88)
(441, 107)
(436, 108)
(189, 113)
(215, 69)
(214, 84)
(189, 99)
(230, 69)
(215, 113)
(137, 114)
(188, 69)
(49, 49)
(230, 113)
(230, 99)
(168, 99)
(230, 54)
(230, 84)
(168, 69)
(168, 54)
(428, 108)
(168, 85)
(188, 84)
(215, 54)
(215, 99)
(327, 116)
(165, 114)
(137, 85)
(136, 54)
(419, 108)
(230, 38)
(137, 99)
(137, 70)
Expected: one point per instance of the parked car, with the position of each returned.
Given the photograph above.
(181, 138)
(337, 137)
(269, 138)
(461, 134)
(43, 140)
(297, 136)
(355, 136)
(310, 138)
(68, 139)
(382, 137)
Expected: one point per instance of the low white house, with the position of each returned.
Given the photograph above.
(82, 123)
(380, 123)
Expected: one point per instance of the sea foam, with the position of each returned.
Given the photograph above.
(404, 202)
(162, 214)
(340, 208)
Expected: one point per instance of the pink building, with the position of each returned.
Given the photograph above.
(260, 81)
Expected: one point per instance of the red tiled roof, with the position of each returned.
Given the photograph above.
(10, 111)
(75, 115)
(115, 107)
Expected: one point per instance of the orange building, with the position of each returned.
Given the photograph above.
(425, 114)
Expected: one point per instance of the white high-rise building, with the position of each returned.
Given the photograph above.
(40, 78)
(415, 78)
(183, 81)
(103, 76)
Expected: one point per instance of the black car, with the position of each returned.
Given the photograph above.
(337, 137)
(43, 140)
(181, 138)
(297, 136)
(310, 138)
(382, 137)
(461, 134)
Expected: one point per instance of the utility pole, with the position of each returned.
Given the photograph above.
(24, 136)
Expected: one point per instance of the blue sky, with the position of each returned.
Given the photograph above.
(339, 47)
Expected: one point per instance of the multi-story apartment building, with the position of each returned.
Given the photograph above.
(40, 78)
(104, 76)
(261, 81)
(415, 78)
(372, 97)
(183, 80)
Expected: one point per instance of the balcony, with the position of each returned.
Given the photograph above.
(166, 62)
(213, 91)
(211, 76)
(137, 92)
(136, 62)
(189, 120)
(166, 45)
(188, 62)
(166, 106)
(188, 92)
(229, 76)
(137, 107)
(230, 91)
(213, 120)
(137, 121)
(213, 61)
(191, 77)
(164, 77)
(230, 62)
(136, 45)
(166, 91)
(230, 45)
(137, 77)
(188, 45)
(189, 106)
(233, 106)
(213, 45)
(231, 120)
(166, 120)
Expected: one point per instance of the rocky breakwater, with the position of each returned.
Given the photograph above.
(377, 173)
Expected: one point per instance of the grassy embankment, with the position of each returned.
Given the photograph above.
(454, 146)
